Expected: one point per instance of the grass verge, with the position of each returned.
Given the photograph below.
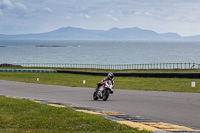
(19, 115)
(131, 83)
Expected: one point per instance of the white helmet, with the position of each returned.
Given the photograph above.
(110, 75)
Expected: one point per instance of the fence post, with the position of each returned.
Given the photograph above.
(193, 65)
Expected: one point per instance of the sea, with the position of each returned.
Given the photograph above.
(99, 51)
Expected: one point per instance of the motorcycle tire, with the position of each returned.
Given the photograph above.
(95, 96)
(105, 94)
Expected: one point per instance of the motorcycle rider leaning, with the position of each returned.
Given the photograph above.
(109, 77)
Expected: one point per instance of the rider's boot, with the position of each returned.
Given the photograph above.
(101, 90)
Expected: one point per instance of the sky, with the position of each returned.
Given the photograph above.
(38, 16)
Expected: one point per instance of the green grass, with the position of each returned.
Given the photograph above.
(19, 115)
(132, 83)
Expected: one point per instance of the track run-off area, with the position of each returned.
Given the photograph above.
(148, 107)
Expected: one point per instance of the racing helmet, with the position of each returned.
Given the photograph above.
(110, 75)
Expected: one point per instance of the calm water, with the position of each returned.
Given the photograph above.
(99, 52)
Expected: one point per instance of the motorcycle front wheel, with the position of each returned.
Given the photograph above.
(105, 94)
(95, 95)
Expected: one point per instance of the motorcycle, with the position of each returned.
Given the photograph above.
(107, 89)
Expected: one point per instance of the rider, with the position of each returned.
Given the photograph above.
(109, 77)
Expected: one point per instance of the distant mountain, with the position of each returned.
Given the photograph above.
(72, 33)
(197, 37)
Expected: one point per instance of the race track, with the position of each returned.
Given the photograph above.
(171, 107)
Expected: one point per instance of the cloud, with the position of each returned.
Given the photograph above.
(19, 5)
(47, 10)
(148, 14)
(162, 16)
(113, 18)
(6, 4)
(144, 13)
(1, 13)
(12, 7)
(68, 17)
(85, 16)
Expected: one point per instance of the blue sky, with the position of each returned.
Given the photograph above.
(37, 16)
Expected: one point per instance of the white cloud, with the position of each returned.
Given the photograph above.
(15, 7)
(1, 13)
(20, 6)
(143, 13)
(112, 17)
(47, 10)
(115, 19)
(137, 13)
(6, 4)
(68, 17)
(148, 14)
(85, 16)
(162, 16)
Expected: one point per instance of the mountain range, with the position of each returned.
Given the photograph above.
(72, 33)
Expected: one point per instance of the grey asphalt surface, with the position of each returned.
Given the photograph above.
(171, 107)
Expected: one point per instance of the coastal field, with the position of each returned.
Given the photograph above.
(131, 83)
(19, 115)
